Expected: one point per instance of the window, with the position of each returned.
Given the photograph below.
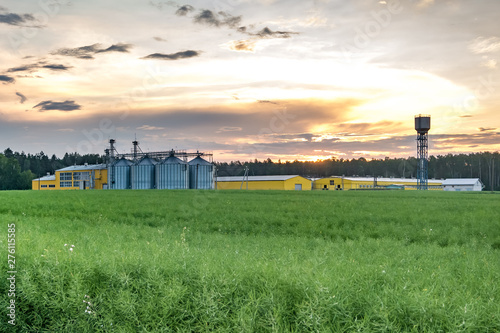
(52, 186)
(44, 186)
(332, 182)
(65, 184)
(65, 176)
(81, 176)
(76, 184)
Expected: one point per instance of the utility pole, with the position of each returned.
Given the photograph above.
(492, 177)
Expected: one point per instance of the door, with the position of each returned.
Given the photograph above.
(298, 187)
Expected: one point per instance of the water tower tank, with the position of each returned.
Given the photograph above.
(422, 123)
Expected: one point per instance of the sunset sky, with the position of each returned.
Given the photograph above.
(248, 79)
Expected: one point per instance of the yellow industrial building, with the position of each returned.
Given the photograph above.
(292, 182)
(78, 177)
(83, 177)
(366, 183)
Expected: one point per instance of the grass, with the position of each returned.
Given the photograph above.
(237, 261)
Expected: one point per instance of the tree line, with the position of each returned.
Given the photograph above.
(485, 166)
(18, 169)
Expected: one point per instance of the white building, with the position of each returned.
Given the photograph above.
(463, 184)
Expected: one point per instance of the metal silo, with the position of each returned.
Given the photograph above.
(119, 175)
(201, 174)
(143, 174)
(172, 174)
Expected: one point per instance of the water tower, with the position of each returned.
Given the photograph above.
(422, 126)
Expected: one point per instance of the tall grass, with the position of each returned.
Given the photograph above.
(237, 261)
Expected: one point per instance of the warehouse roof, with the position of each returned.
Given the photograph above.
(461, 181)
(84, 167)
(49, 177)
(256, 178)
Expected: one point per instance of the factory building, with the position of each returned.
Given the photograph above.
(44, 183)
(463, 184)
(136, 170)
(77, 177)
(367, 183)
(293, 182)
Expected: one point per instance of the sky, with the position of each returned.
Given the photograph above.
(246, 79)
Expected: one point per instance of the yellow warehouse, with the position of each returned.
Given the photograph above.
(293, 182)
(77, 177)
(365, 183)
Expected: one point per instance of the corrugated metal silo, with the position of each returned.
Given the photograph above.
(119, 175)
(143, 174)
(172, 174)
(201, 174)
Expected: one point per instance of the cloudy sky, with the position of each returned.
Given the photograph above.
(245, 79)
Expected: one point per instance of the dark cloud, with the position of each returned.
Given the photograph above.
(120, 47)
(7, 79)
(174, 56)
(16, 19)
(57, 67)
(22, 68)
(267, 102)
(23, 98)
(57, 106)
(220, 19)
(184, 10)
(268, 33)
(41, 64)
(487, 129)
(88, 52)
(159, 39)
(210, 18)
(250, 44)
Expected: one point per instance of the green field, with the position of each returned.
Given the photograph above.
(238, 261)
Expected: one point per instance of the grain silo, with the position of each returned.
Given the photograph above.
(143, 174)
(172, 174)
(119, 175)
(201, 174)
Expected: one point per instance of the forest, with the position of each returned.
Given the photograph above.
(18, 169)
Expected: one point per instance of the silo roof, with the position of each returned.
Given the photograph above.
(199, 161)
(173, 160)
(123, 162)
(147, 161)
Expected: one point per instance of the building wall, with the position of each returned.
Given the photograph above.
(252, 185)
(267, 185)
(70, 180)
(337, 183)
(304, 182)
(462, 188)
(43, 185)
